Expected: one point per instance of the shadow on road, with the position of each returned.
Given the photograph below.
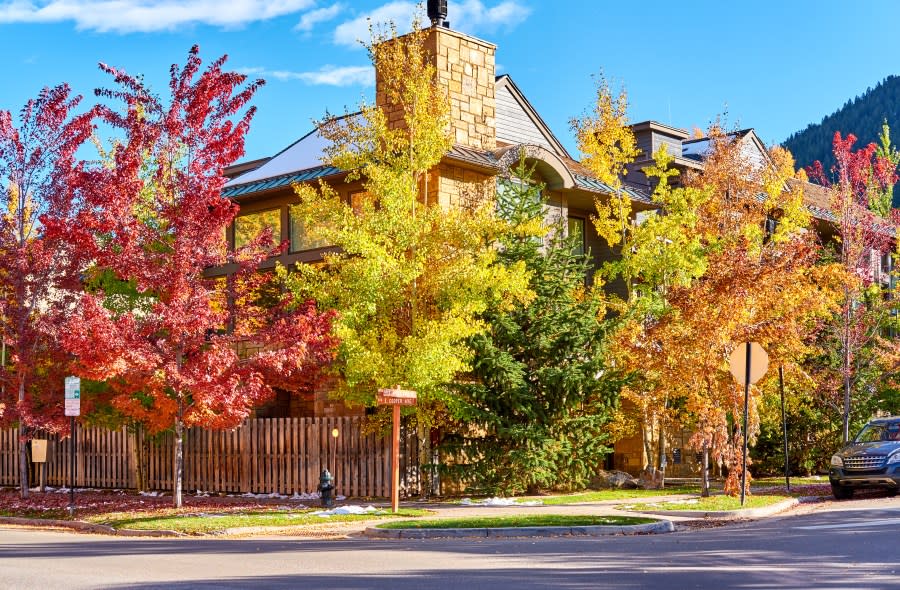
(837, 549)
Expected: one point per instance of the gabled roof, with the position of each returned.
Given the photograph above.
(518, 122)
(698, 149)
(518, 126)
(307, 153)
(304, 154)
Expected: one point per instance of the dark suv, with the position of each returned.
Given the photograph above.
(872, 460)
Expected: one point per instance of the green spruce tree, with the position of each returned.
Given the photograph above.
(533, 409)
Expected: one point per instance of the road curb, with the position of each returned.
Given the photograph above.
(760, 512)
(75, 525)
(79, 526)
(661, 526)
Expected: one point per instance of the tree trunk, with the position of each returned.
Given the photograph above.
(23, 451)
(179, 461)
(178, 471)
(704, 478)
(23, 462)
(662, 455)
(646, 436)
(137, 456)
(424, 435)
(846, 416)
(845, 360)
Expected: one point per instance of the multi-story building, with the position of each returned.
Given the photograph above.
(493, 124)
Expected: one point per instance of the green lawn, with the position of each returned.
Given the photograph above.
(208, 523)
(516, 521)
(600, 495)
(711, 504)
(779, 481)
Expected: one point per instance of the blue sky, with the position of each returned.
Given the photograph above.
(774, 66)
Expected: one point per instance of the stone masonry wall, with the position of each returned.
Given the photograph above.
(465, 66)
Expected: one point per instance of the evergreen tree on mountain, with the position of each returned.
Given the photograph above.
(863, 116)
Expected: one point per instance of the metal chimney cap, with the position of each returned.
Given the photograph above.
(437, 12)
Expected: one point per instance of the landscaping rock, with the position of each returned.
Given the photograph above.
(651, 479)
(614, 480)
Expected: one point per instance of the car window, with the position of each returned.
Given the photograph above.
(878, 433)
(871, 433)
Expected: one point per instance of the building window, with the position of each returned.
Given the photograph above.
(358, 201)
(300, 238)
(248, 227)
(576, 234)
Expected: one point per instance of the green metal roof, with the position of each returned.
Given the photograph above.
(279, 181)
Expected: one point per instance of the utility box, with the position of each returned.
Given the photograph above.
(39, 450)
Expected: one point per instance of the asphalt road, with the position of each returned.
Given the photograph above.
(852, 544)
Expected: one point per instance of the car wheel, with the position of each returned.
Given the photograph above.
(841, 493)
(891, 492)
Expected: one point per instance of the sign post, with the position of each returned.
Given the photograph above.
(39, 456)
(73, 408)
(396, 397)
(749, 362)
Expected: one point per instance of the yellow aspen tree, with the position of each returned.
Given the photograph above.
(411, 278)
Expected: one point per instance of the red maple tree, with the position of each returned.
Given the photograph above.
(195, 350)
(860, 190)
(41, 182)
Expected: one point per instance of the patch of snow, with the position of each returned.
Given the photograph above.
(306, 496)
(274, 495)
(500, 502)
(348, 510)
(153, 494)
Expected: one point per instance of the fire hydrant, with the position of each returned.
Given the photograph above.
(326, 489)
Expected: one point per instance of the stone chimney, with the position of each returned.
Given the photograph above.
(465, 68)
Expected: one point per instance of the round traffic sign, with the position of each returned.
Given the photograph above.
(759, 362)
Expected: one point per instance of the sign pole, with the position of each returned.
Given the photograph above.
(746, 410)
(72, 409)
(72, 466)
(395, 398)
(747, 370)
(395, 461)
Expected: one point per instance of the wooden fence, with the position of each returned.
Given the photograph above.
(278, 455)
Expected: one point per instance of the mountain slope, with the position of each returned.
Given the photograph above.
(861, 116)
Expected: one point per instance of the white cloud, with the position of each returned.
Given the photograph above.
(468, 16)
(127, 16)
(325, 76)
(320, 15)
(475, 16)
(350, 33)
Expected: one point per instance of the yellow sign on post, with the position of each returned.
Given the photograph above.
(39, 450)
